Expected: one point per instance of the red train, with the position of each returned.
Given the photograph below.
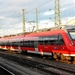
(58, 42)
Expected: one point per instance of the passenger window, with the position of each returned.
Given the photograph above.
(61, 41)
(31, 43)
(46, 42)
(54, 39)
(51, 40)
(40, 42)
(21, 43)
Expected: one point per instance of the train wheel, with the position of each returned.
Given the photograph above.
(58, 56)
(55, 56)
(62, 57)
(65, 59)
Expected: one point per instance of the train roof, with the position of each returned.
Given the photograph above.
(44, 33)
(31, 36)
(52, 31)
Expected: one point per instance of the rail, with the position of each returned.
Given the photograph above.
(55, 70)
(5, 71)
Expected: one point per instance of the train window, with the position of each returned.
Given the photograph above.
(72, 34)
(10, 43)
(46, 42)
(40, 42)
(43, 40)
(49, 40)
(31, 43)
(7, 43)
(46, 38)
(60, 41)
(21, 43)
(28, 43)
(53, 39)
(25, 43)
(36, 43)
(2, 44)
(15, 43)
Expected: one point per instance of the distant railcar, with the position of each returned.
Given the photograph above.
(58, 43)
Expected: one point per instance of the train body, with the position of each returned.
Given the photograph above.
(58, 43)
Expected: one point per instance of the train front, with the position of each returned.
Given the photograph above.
(71, 33)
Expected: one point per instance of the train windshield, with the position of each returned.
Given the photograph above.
(72, 34)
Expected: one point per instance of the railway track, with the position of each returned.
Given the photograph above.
(50, 69)
(4, 71)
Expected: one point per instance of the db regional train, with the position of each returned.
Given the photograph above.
(59, 43)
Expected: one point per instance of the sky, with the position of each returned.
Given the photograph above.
(11, 14)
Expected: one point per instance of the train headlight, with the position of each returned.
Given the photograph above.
(72, 43)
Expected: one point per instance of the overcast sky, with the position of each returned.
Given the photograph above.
(11, 14)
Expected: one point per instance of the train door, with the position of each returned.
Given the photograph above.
(59, 48)
(19, 44)
(36, 45)
(59, 45)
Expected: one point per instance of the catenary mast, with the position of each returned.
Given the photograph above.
(57, 13)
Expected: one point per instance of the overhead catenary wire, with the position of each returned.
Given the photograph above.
(10, 21)
(39, 6)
